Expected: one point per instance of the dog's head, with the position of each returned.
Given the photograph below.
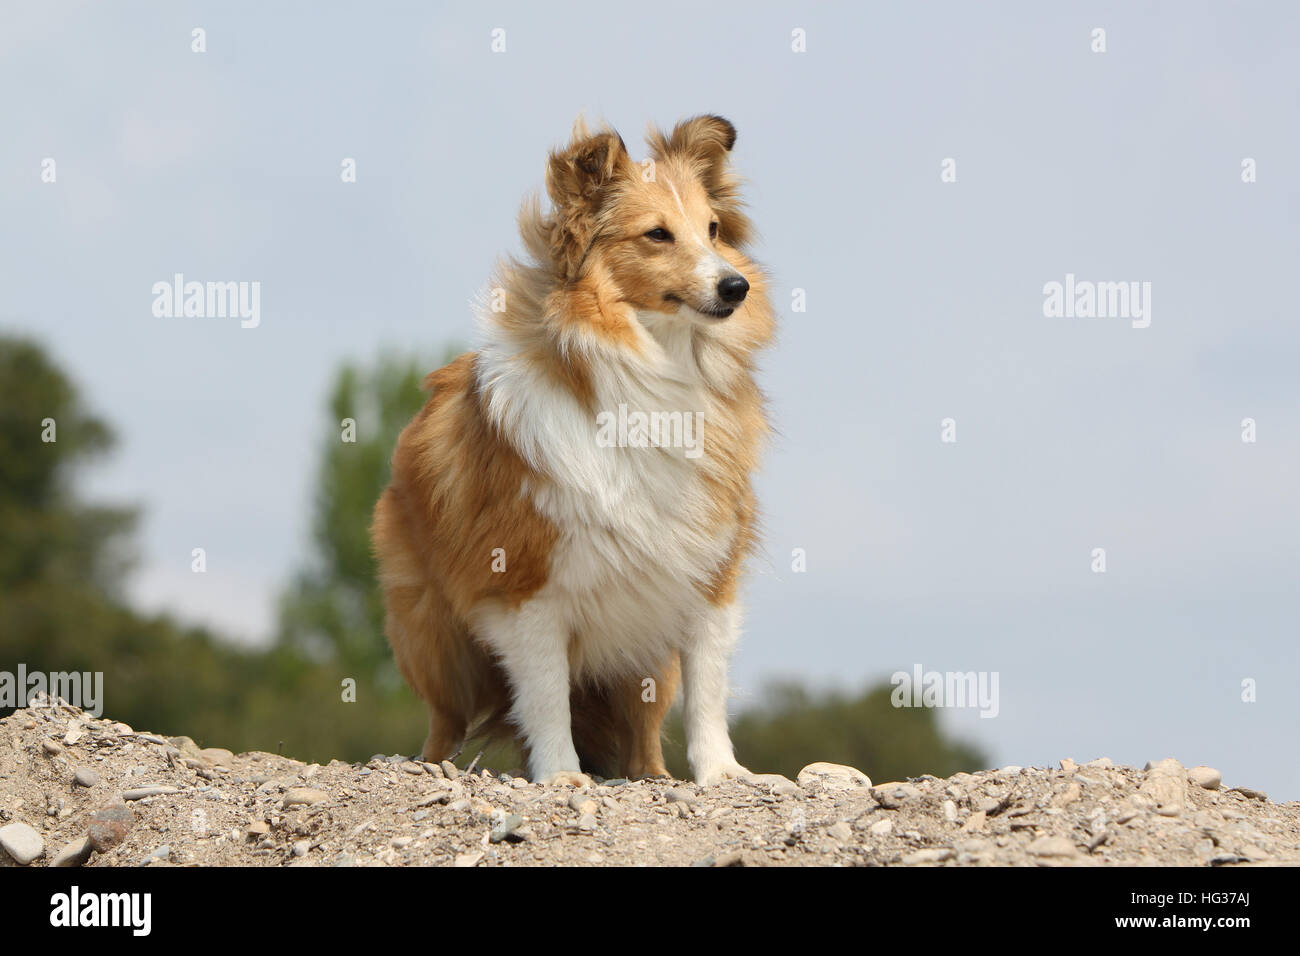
(665, 231)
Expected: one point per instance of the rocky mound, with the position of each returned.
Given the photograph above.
(77, 791)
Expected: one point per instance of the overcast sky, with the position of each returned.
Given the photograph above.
(925, 301)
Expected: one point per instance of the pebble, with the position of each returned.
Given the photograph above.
(52, 747)
(74, 854)
(449, 771)
(1166, 784)
(1068, 765)
(109, 826)
(1103, 762)
(841, 831)
(304, 797)
(256, 830)
(786, 788)
(891, 796)
(21, 842)
(832, 776)
(400, 843)
(680, 795)
(160, 855)
(140, 793)
(1052, 847)
(1205, 777)
(505, 825)
(582, 804)
(587, 821)
(85, 777)
(929, 855)
(975, 822)
(302, 847)
(882, 827)
(74, 734)
(411, 767)
(1249, 793)
(468, 859)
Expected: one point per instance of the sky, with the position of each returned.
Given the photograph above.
(922, 301)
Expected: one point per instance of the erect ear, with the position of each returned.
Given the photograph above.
(705, 143)
(578, 179)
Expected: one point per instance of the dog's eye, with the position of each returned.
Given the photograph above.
(713, 230)
(660, 235)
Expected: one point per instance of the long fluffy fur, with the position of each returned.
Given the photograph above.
(621, 564)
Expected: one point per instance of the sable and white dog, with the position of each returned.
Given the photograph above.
(539, 577)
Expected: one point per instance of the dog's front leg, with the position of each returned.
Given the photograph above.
(706, 655)
(532, 644)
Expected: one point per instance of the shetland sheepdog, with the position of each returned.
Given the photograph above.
(545, 574)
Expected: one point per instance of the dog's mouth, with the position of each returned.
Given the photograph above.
(709, 311)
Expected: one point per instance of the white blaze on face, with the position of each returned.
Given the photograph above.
(710, 268)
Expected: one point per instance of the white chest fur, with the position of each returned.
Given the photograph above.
(638, 532)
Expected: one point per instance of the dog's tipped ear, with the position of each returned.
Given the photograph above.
(704, 138)
(578, 178)
(576, 174)
(705, 143)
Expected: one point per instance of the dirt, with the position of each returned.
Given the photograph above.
(260, 809)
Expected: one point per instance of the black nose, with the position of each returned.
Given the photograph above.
(733, 289)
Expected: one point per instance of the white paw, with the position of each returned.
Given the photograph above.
(566, 778)
(715, 774)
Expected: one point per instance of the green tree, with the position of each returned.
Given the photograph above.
(334, 610)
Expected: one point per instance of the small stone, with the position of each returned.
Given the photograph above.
(504, 826)
(930, 855)
(680, 795)
(74, 854)
(1050, 847)
(1205, 777)
(786, 788)
(1068, 765)
(882, 827)
(468, 859)
(950, 811)
(1166, 784)
(891, 796)
(582, 804)
(841, 831)
(217, 757)
(975, 822)
(85, 777)
(109, 826)
(587, 821)
(303, 847)
(304, 797)
(141, 793)
(256, 830)
(401, 843)
(450, 772)
(1249, 793)
(52, 747)
(1104, 763)
(411, 767)
(832, 776)
(160, 855)
(74, 734)
(21, 842)
(1010, 770)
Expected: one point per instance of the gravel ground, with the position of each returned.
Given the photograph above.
(80, 791)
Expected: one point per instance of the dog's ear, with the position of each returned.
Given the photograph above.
(705, 143)
(579, 179)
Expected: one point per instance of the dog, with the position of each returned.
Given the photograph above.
(548, 578)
